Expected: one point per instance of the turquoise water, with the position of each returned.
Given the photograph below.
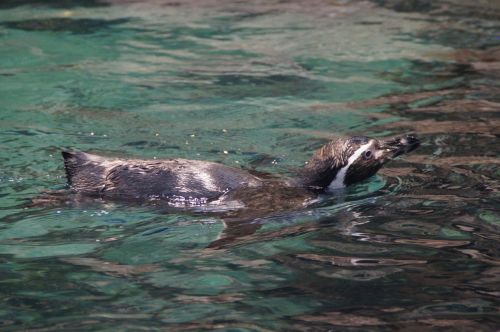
(258, 85)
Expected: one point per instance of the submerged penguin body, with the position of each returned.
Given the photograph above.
(339, 163)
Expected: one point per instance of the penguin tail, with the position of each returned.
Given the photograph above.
(84, 172)
(72, 161)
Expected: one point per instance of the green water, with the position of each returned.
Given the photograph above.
(258, 85)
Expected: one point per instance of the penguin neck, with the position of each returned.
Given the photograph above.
(317, 175)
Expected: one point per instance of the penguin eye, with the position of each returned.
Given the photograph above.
(367, 155)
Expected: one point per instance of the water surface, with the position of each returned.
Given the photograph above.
(258, 85)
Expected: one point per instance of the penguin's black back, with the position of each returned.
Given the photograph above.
(175, 179)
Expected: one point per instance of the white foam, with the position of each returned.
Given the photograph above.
(338, 182)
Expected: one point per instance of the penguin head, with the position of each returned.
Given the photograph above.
(344, 161)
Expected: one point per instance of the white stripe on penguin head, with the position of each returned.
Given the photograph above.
(338, 182)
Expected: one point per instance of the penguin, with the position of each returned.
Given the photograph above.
(339, 163)
(242, 199)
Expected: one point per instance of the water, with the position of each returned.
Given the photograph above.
(258, 85)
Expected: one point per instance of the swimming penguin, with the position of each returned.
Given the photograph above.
(339, 163)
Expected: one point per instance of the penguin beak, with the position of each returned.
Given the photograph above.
(399, 145)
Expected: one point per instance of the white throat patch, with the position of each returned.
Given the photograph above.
(338, 182)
